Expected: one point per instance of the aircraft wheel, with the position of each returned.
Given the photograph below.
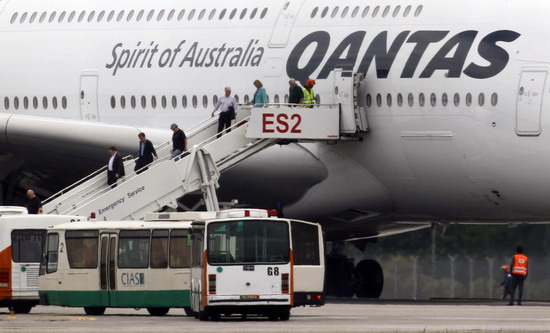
(370, 279)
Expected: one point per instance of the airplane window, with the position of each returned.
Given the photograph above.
(45, 102)
(133, 102)
(191, 14)
(400, 100)
(160, 15)
(164, 102)
(44, 14)
(421, 99)
(375, 11)
(233, 13)
(253, 13)
(378, 100)
(14, 17)
(184, 101)
(264, 12)
(143, 102)
(456, 99)
(407, 11)
(123, 102)
(81, 16)
(214, 99)
(444, 99)
(418, 11)
(150, 15)
(365, 11)
(101, 16)
(205, 101)
(212, 14)
(236, 97)
(222, 13)
(368, 100)
(64, 102)
(334, 12)
(120, 16)
(171, 14)
(140, 15)
(433, 99)
(494, 99)
(396, 11)
(389, 100)
(33, 16)
(52, 17)
(468, 99)
(174, 102)
(195, 101)
(130, 15)
(386, 11)
(23, 17)
(411, 99)
(201, 15)
(481, 99)
(91, 16)
(6, 103)
(111, 15)
(35, 102)
(243, 14)
(54, 102)
(324, 13)
(314, 12)
(355, 11)
(276, 100)
(154, 102)
(246, 99)
(26, 102)
(345, 12)
(16, 103)
(113, 102)
(181, 14)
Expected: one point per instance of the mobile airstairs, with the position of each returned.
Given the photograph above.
(198, 170)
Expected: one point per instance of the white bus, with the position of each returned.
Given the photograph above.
(124, 264)
(244, 262)
(22, 239)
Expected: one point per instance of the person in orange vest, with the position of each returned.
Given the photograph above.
(519, 274)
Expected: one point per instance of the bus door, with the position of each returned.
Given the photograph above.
(107, 269)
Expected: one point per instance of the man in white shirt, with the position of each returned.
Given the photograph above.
(226, 104)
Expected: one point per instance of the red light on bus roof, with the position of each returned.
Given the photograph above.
(272, 212)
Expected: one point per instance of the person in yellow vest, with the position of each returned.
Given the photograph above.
(309, 96)
(519, 274)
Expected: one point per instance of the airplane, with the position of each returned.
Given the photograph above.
(454, 94)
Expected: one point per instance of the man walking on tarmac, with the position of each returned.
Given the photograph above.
(519, 274)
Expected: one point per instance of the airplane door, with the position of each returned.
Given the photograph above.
(283, 26)
(88, 96)
(529, 102)
(107, 269)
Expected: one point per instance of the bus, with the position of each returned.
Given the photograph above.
(22, 239)
(245, 262)
(119, 264)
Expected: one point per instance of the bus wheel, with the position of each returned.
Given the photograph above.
(22, 308)
(285, 315)
(203, 316)
(158, 311)
(94, 310)
(273, 316)
(189, 312)
(215, 316)
(370, 279)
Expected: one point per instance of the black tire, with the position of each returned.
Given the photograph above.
(203, 316)
(285, 315)
(370, 279)
(94, 310)
(22, 308)
(189, 312)
(158, 311)
(215, 316)
(273, 316)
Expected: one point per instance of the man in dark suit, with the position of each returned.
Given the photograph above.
(115, 168)
(146, 153)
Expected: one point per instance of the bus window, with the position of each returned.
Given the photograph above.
(159, 249)
(305, 244)
(250, 242)
(133, 249)
(27, 245)
(82, 248)
(179, 249)
(51, 253)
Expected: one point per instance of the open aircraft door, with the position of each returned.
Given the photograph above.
(529, 101)
(346, 86)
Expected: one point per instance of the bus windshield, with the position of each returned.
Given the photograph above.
(248, 242)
